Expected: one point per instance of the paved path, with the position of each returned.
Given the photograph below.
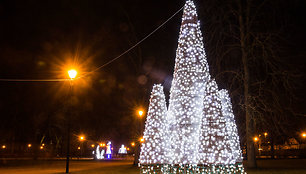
(77, 167)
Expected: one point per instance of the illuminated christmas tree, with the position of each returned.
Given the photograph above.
(198, 133)
(187, 91)
(235, 154)
(214, 147)
(155, 133)
(220, 150)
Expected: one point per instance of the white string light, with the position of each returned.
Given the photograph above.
(200, 134)
(155, 134)
(122, 150)
(187, 91)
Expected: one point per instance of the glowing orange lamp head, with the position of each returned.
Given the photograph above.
(141, 140)
(72, 73)
(82, 138)
(140, 113)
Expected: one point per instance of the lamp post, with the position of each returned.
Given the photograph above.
(81, 138)
(72, 74)
(140, 113)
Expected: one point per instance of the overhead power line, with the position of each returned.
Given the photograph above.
(105, 64)
(139, 42)
(33, 80)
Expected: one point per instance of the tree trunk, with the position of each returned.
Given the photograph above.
(137, 154)
(251, 158)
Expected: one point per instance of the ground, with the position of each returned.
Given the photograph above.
(77, 167)
(287, 166)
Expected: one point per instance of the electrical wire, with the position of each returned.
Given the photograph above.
(139, 42)
(33, 80)
(96, 69)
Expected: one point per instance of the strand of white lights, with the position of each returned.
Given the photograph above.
(231, 128)
(122, 150)
(187, 91)
(191, 169)
(156, 128)
(198, 133)
(99, 155)
(214, 140)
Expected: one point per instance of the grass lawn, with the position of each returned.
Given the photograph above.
(277, 171)
(279, 166)
(285, 166)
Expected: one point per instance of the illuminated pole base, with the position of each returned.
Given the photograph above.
(192, 169)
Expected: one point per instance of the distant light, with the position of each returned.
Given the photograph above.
(3, 147)
(141, 140)
(43, 144)
(79, 148)
(29, 145)
(255, 139)
(123, 150)
(265, 134)
(132, 144)
(72, 73)
(103, 145)
(82, 138)
(92, 145)
(109, 150)
(41, 147)
(128, 148)
(304, 135)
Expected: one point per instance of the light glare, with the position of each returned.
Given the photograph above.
(72, 73)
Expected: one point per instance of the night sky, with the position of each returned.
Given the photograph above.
(41, 39)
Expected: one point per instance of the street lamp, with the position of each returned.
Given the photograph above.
(304, 134)
(141, 140)
(82, 138)
(266, 134)
(72, 74)
(140, 113)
